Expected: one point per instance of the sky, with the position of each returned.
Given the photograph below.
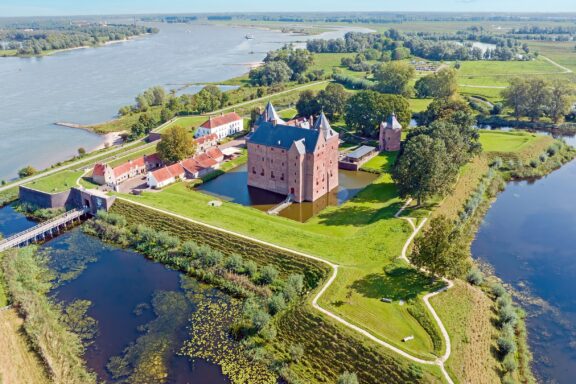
(9, 8)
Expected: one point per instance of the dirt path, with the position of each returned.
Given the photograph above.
(563, 68)
(416, 229)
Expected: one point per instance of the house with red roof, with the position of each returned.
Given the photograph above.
(104, 174)
(205, 142)
(164, 176)
(222, 126)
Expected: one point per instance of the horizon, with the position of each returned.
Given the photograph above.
(63, 8)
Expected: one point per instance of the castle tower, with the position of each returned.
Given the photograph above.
(270, 115)
(390, 134)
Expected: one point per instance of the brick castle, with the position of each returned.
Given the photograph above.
(295, 158)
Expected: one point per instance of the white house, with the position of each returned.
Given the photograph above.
(221, 126)
(165, 176)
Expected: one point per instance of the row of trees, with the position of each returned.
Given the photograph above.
(535, 97)
(331, 100)
(33, 41)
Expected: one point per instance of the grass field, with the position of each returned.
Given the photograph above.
(145, 151)
(18, 363)
(499, 141)
(561, 52)
(334, 234)
(57, 182)
(188, 122)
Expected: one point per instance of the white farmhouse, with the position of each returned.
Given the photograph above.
(221, 126)
(165, 176)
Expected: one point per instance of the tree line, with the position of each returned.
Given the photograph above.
(30, 41)
(536, 97)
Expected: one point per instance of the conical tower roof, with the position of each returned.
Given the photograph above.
(323, 125)
(392, 122)
(270, 114)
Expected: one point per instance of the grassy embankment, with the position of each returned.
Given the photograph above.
(57, 182)
(18, 365)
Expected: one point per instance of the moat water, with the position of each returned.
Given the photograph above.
(232, 186)
(529, 238)
(120, 284)
(88, 86)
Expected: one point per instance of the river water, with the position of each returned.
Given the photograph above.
(87, 86)
(529, 238)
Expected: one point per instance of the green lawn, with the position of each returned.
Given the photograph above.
(419, 105)
(288, 113)
(335, 234)
(57, 182)
(188, 122)
(498, 141)
(380, 163)
(145, 151)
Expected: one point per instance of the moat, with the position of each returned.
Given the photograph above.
(232, 186)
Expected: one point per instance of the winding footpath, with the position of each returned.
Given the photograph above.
(415, 230)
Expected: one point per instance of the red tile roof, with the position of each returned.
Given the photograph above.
(153, 158)
(99, 169)
(126, 167)
(205, 161)
(215, 153)
(218, 121)
(166, 173)
(191, 165)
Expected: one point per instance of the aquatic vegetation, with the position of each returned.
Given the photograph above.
(210, 340)
(146, 360)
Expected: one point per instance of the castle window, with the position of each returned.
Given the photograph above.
(282, 177)
(262, 173)
(272, 174)
(253, 170)
(262, 158)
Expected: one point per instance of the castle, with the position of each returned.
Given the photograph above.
(296, 158)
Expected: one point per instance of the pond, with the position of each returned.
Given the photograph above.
(133, 302)
(529, 238)
(232, 186)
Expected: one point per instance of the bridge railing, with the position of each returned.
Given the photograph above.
(44, 226)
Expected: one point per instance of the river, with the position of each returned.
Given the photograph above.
(88, 86)
(529, 238)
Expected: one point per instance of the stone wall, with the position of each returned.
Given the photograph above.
(45, 199)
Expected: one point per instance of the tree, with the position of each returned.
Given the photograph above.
(296, 352)
(333, 100)
(307, 104)
(424, 168)
(561, 98)
(537, 98)
(367, 109)
(81, 151)
(298, 60)
(439, 84)
(347, 378)
(27, 171)
(275, 72)
(209, 99)
(440, 249)
(394, 78)
(176, 145)
(515, 96)
(453, 110)
(268, 274)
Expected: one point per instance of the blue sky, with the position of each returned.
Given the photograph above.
(84, 7)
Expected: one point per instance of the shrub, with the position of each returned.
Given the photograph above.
(534, 163)
(297, 282)
(347, 378)
(268, 333)
(250, 268)
(259, 319)
(276, 304)
(507, 315)
(506, 345)
(475, 276)
(27, 171)
(289, 293)
(296, 352)
(234, 263)
(268, 274)
(191, 249)
(210, 258)
(552, 150)
(498, 290)
(543, 157)
(509, 363)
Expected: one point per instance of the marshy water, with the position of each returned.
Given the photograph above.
(131, 297)
(232, 186)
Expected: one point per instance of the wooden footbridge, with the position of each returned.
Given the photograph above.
(43, 230)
